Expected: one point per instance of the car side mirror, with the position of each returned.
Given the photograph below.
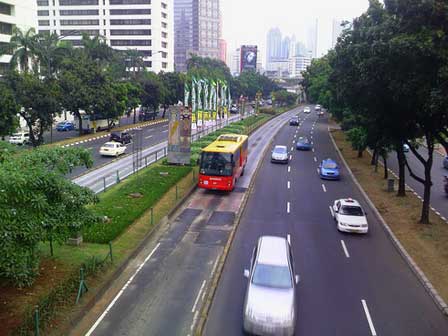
(246, 273)
(297, 279)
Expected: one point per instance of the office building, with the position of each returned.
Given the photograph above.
(143, 25)
(298, 64)
(197, 30)
(15, 13)
(312, 40)
(337, 31)
(273, 45)
(223, 50)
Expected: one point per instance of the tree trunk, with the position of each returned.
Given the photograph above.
(401, 171)
(360, 151)
(424, 219)
(135, 115)
(164, 111)
(386, 171)
(78, 115)
(374, 157)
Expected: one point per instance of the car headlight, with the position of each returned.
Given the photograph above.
(364, 225)
(343, 224)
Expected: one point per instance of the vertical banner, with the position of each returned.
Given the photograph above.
(206, 107)
(179, 136)
(186, 95)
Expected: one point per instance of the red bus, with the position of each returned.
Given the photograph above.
(223, 162)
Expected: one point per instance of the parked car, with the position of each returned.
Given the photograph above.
(121, 137)
(234, 109)
(112, 148)
(303, 143)
(317, 107)
(270, 302)
(307, 110)
(294, 121)
(445, 162)
(147, 115)
(19, 138)
(65, 126)
(329, 170)
(349, 216)
(280, 154)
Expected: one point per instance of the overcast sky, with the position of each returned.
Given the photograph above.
(248, 21)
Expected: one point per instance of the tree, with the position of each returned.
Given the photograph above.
(50, 50)
(173, 88)
(112, 101)
(9, 110)
(151, 91)
(133, 100)
(37, 204)
(22, 46)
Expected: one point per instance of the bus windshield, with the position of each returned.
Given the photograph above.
(216, 164)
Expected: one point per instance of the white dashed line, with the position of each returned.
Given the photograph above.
(312, 150)
(345, 249)
(369, 319)
(149, 136)
(323, 188)
(290, 157)
(289, 169)
(288, 237)
(292, 148)
(288, 207)
(289, 185)
(315, 159)
(198, 296)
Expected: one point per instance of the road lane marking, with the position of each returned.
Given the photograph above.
(198, 296)
(290, 157)
(323, 187)
(289, 238)
(149, 136)
(109, 307)
(164, 131)
(194, 320)
(315, 159)
(369, 319)
(289, 185)
(312, 142)
(345, 249)
(89, 148)
(312, 150)
(288, 207)
(289, 169)
(292, 148)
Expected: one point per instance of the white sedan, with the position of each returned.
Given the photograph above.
(307, 110)
(349, 216)
(112, 148)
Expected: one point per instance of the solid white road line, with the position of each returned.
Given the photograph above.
(369, 319)
(315, 159)
(149, 136)
(288, 236)
(109, 307)
(345, 249)
(288, 207)
(164, 131)
(289, 185)
(198, 296)
(312, 150)
(289, 169)
(323, 188)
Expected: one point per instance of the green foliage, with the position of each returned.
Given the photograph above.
(284, 98)
(152, 91)
(251, 82)
(358, 138)
(8, 110)
(122, 209)
(37, 203)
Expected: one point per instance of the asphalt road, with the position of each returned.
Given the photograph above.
(334, 283)
(162, 290)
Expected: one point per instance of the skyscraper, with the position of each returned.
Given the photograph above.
(312, 39)
(273, 45)
(143, 25)
(337, 31)
(196, 30)
(15, 13)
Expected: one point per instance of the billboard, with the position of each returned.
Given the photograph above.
(248, 57)
(179, 136)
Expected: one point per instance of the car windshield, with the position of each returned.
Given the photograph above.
(272, 276)
(329, 165)
(280, 150)
(109, 145)
(216, 164)
(351, 210)
(17, 135)
(303, 140)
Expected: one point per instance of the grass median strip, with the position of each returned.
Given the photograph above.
(426, 244)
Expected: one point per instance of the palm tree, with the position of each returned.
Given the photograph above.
(134, 61)
(22, 46)
(96, 48)
(50, 51)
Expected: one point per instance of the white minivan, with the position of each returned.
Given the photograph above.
(19, 138)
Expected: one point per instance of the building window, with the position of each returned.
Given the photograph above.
(147, 64)
(164, 35)
(142, 11)
(129, 22)
(164, 5)
(144, 32)
(80, 32)
(164, 45)
(164, 25)
(117, 43)
(130, 2)
(73, 12)
(42, 2)
(164, 15)
(80, 22)
(78, 2)
(43, 23)
(44, 31)
(5, 8)
(164, 54)
(164, 65)
(42, 12)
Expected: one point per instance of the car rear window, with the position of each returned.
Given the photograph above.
(352, 211)
(330, 165)
(109, 145)
(272, 276)
(280, 150)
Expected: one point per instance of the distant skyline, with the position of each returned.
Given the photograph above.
(248, 21)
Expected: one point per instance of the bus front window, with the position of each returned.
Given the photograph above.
(216, 164)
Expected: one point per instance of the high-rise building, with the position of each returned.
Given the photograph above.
(312, 38)
(273, 45)
(298, 64)
(223, 50)
(286, 44)
(143, 25)
(15, 13)
(235, 62)
(337, 31)
(197, 30)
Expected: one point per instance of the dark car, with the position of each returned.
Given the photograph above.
(294, 121)
(146, 115)
(234, 109)
(445, 162)
(64, 126)
(123, 137)
(303, 143)
(329, 170)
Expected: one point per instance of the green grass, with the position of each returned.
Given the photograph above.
(122, 210)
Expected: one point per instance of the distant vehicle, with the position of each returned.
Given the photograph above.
(307, 110)
(294, 121)
(329, 170)
(445, 162)
(406, 148)
(303, 143)
(317, 107)
(112, 148)
(280, 154)
(146, 115)
(349, 216)
(320, 113)
(121, 137)
(269, 102)
(20, 138)
(95, 123)
(234, 109)
(446, 184)
(65, 126)
(270, 302)
(223, 162)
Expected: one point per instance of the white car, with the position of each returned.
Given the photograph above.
(112, 148)
(317, 107)
(307, 110)
(349, 216)
(280, 154)
(20, 138)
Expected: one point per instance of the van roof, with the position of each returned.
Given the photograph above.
(272, 250)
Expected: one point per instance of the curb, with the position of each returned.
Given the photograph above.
(216, 276)
(441, 304)
(107, 284)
